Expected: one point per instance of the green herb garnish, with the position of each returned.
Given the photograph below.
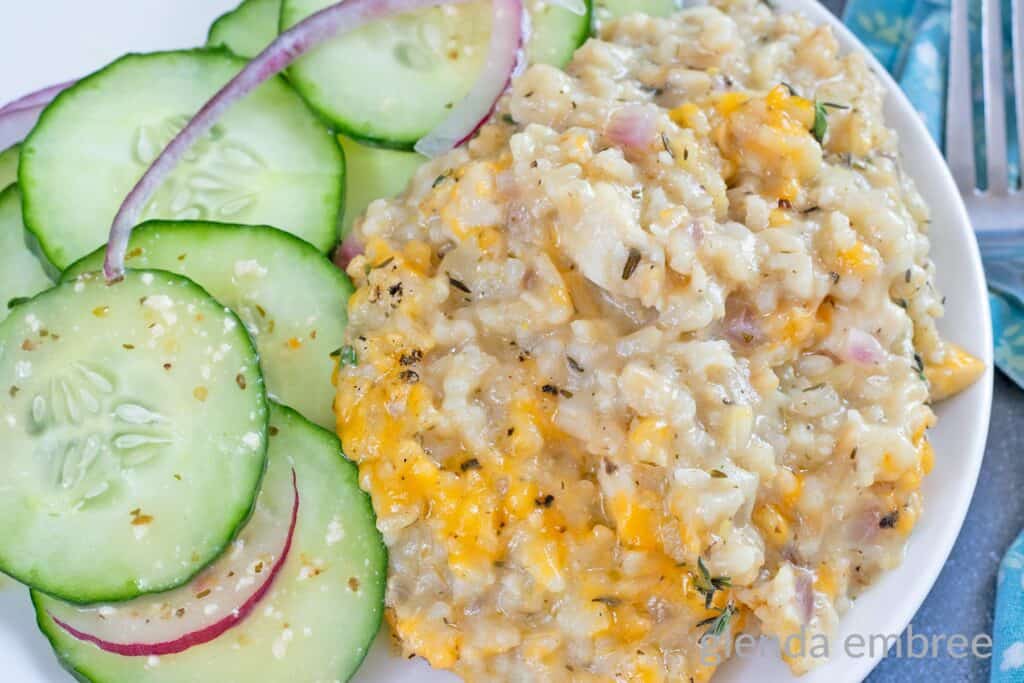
(718, 624)
(820, 122)
(708, 585)
(346, 355)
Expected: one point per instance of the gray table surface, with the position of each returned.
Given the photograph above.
(963, 598)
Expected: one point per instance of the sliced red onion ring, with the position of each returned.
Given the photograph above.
(577, 7)
(17, 123)
(504, 59)
(332, 21)
(204, 610)
(17, 118)
(39, 97)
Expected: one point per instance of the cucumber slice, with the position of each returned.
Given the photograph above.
(9, 166)
(248, 28)
(321, 613)
(21, 273)
(370, 172)
(290, 297)
(391, 82)
(268, 161)
(373, 173)
(134, 425)
(556, 32)
(606, 10)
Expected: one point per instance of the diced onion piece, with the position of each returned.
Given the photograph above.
(862, 348)
(332, 21)
(346, 251)
(633, 126)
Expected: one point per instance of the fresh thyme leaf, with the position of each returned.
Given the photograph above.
(507, 118)
(721, 582)
(820, 122)
(17, 301)
(346, 355)
(705, 575)
(632, 261)
(791, 89)
(834, 105)
(440, 179)
(708, 585)
(718, 625)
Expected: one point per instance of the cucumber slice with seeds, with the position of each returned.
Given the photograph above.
(391, 82)
(21, 273)
(371, 172)
(290, 297)
(268, 161)
(9, 166)
(248, 28)
(133, 419)
(323, 610)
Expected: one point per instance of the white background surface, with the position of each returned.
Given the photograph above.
(47, 41)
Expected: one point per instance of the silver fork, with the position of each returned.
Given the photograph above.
(998, 211)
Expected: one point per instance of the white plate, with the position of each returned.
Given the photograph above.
(48, 41)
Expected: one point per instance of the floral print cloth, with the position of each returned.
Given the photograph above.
(911, 38)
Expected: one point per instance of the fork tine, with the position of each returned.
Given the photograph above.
(959, 111)
(995, 96)
(1017, 49)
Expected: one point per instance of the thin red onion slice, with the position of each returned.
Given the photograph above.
(17, 123)
(228, 616)
(332, 21)
(17, 118)
(39, 97)
(504, 58)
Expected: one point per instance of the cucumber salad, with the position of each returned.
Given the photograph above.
(171, 489)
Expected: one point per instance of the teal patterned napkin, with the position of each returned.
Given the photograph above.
(911, 38)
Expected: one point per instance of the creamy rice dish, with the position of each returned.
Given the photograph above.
(649, 362)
